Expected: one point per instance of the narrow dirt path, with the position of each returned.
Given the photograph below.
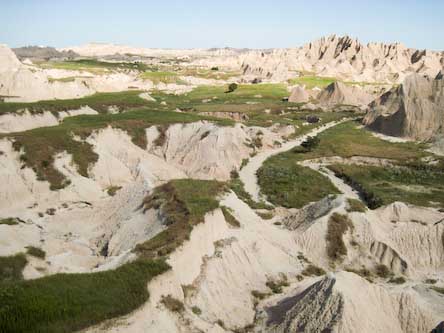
(248, 172)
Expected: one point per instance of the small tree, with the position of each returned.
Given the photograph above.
(232, 87)
(310, 143)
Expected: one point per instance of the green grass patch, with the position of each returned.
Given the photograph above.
(95, 66)
(208, 73)
(421, 185)
(71, 302)
(346, 140)
(310, 81)
(101, 102)
(183, 203)
(161, 77)
(287, 184)
(11, 269)
(40, 145)
(237, 186)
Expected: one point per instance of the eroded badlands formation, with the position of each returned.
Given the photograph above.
(170, 182)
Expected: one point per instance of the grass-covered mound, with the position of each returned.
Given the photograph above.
(183, 204)
(347, 140)
(40, 145)
(417, 184)
(70, 302)
(287, 184)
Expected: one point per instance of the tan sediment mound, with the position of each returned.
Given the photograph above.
(211, 151)
(8, 60)
(23, 121)
(344, 302)
(299, 95)
(338, 93)
(413, 110)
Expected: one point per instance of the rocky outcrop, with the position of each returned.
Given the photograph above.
(333, 305)
(345, 58)
(299, 95)
(338, 93)
(42, 52)
(414, 110)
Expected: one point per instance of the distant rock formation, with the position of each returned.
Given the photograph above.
(345, 58)
(43, 53)
(415, 109)
(338, 93)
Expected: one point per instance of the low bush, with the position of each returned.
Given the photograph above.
(311, 270)
(383, 271)
(232, 87)
(9, 221)
(36, 252)
(397, 280)
(354, 205)
(310, 143)
(196, 310)
(229, 218)
(172, 304)
(11, 268)
(337, 226)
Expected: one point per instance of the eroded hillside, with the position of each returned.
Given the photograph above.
(191, 191)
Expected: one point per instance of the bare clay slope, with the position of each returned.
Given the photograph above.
(414, 110)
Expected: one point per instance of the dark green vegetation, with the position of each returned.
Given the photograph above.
(312, 270)
(232, 87)
(338, 225)
(183, 204)
(438, 289)
(287, 184)
(71, 302)
(11, 269)
(383, 271)
(229, 218)
(40, 145)
(354, 205)
(417, 183)
(9, 221)
(276, 286)
(36, 252)
(100, 102)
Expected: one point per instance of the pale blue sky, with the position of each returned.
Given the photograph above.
(199, 23)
